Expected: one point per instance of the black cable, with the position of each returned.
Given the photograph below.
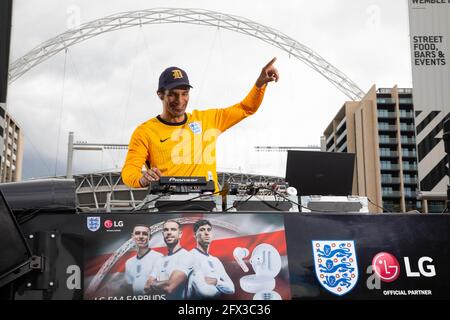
(239, 203)
(179, 203)
(384, 210)
(27, 216)
(265, 202)
(186, 201)
(272, 206)
(253, 191)
(298, 204)
(147, 202)
(302, 206)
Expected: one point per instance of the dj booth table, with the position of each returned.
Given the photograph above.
(322, 256)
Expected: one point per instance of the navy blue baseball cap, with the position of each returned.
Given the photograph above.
(173, 77)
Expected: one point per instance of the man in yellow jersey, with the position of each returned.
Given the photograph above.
(176, 143)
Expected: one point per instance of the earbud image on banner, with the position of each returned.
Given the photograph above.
(267, 295)
(266, 263)
(239, 254)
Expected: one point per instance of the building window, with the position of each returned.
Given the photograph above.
(436, 206)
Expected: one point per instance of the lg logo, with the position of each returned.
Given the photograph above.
(116, 224)
(426, 269)
(108, 224)
(386, 268)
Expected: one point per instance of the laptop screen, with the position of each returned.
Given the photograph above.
(320, 173)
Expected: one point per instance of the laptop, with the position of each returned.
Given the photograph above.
(320, 173)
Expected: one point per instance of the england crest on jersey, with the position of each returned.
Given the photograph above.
(93, 223)
(196, 127)
(335, 264)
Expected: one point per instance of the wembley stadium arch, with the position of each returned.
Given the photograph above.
(200, 17)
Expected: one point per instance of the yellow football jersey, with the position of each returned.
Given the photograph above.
(187, 148)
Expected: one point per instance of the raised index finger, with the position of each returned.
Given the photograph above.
(270, 63)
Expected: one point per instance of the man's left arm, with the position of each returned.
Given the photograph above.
(227, 117)
(224, 282)
(178, 276)
(204, 286)
(168, 286)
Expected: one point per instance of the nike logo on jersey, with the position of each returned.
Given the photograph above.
(161, 140)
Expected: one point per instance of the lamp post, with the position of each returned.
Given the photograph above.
(87, 147)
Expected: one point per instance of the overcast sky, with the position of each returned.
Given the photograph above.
(108, 87)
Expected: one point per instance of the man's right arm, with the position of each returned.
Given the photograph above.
(224, 282)
(202, 287)
(167, 286)
(127, 287)
(138, 149)
(128, 277)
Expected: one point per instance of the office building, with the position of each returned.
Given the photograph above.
(12, 156)
(381, 130)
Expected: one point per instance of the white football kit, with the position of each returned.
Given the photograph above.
(206, 265)
(180, 260)
(138, 269)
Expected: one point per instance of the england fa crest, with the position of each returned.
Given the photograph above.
(196, 127)
(93, 223)
(335, 264)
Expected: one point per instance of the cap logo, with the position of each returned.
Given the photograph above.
(176, 74)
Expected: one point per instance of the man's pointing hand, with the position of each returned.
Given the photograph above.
(268, 74)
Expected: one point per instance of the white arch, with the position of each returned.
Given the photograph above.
(190, 16)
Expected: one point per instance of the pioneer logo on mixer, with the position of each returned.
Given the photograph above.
(185, 180)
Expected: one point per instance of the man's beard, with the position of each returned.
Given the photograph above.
(176, 112)
(173, 244)
(205, 243)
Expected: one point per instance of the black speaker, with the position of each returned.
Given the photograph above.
(14, 250)
(185, 206)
